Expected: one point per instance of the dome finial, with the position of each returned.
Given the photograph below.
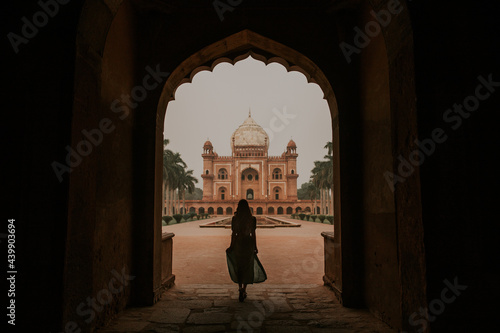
(249, 113)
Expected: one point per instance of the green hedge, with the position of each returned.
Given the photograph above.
(178, 217)
(330, 218)
(321, 218)
(302, 215)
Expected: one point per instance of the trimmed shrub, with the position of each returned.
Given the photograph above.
(330, 218)
(166, 219)
(302, 215)
(321, 218)
(293, 216)
(186, 217)
(192, 215)
(177, 217)
(313, 218)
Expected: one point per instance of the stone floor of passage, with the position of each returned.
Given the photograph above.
(269, 308)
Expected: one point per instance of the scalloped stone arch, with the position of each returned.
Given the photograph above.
(240, 46)
(289, 68)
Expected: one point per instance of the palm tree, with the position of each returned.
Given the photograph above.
(322, 178)
(186, 182)
(173, 166)
(319, 180)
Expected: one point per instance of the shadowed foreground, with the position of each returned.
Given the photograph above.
(268, 308)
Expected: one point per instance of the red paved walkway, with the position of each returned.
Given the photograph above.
(289, 255)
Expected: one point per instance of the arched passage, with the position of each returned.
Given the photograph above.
(377, 118)
(376, 91)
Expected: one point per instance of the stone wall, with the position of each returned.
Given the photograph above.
(59, 86)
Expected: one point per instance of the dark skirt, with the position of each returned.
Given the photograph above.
(244, 265)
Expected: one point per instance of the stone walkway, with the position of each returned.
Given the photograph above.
(269, 308)
(204, 299)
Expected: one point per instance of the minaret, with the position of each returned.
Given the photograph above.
(208, 175)
(291, 177)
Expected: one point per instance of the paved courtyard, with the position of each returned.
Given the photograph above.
(204, 299)
(289, 255)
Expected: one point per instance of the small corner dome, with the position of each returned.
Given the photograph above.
(249, 134)
(207, 144)
(291, 144)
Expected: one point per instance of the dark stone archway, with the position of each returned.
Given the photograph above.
(375, 128)
(73, 233)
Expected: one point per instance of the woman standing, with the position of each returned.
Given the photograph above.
(243, 264)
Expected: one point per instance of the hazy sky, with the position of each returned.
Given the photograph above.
(216, 103)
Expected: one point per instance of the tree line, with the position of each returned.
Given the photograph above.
(320, 185)
(177, 180)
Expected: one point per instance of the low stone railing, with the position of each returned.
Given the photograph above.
(167, 278)
(214, 222)
(285, 221)
(329, 278)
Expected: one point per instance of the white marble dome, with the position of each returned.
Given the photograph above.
(249, 134)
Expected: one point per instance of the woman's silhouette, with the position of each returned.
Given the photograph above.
(243, 264)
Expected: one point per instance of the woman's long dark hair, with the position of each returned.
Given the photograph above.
(243, 208)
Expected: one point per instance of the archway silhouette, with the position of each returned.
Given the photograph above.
(377, 124)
